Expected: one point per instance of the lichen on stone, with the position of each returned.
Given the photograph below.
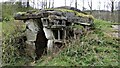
(21, 13)
(77, 13)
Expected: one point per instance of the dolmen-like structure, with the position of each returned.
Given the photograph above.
(50, 28)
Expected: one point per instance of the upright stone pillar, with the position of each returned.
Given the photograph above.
(49, 35)
(31, 34)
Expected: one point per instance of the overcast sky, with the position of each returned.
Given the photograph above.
(96, 3)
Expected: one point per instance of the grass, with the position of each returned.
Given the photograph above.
(10, 30)
(0, 30)
(94, 49)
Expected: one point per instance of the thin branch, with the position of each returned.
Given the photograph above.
(71, 2)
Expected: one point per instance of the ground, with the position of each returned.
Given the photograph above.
(98, 47)
(0, 42)
(116, 30)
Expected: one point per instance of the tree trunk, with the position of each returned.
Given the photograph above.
(75, 3)
(27, 3)
(91, 7)
(83, 5)
(112, 7)
(49, 3)
(53, 4)
(119, 11)
(65, 2)
(45, 3)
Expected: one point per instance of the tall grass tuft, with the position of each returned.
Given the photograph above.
(93, 49)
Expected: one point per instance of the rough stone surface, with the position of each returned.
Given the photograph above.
(44, 27)
(71, 14)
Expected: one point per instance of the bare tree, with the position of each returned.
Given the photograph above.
(119, 11)
(12, 1)
(49, 3)
(107, 6)
(90, 6)
(45, 3)
(112, 5)
(71, 1)
(27, 3)
(104, 6)
(53, 4)
(99, 7)
(42, 4)
(75, 3)
(116, 5)
(33, 3)
(119, 5)
(83, 5)
(65, 2)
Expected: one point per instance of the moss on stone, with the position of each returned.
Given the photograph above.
(77, 13)
(21, 13)
(78, 26)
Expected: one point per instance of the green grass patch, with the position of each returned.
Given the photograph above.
(0, 28)
(10, 52)
(96, 48)
(93, 49)
(10, 30)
